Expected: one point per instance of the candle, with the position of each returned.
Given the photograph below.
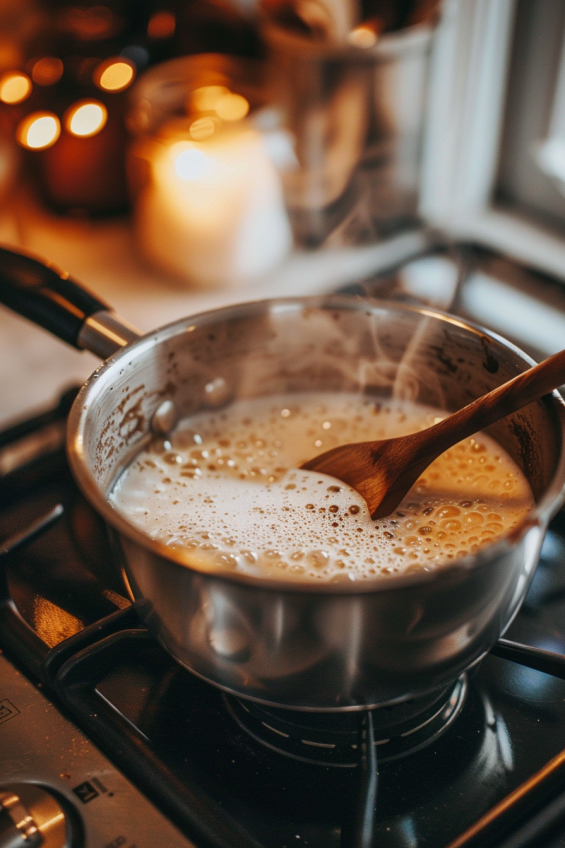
(68, 117)
(211, 209)
(79, 161)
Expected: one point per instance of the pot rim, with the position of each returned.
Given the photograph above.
(85, 402)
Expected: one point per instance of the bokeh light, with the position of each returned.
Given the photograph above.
(15, 87)
(86, 118)
(232, 107)
(206, 98)
(161, 25)
(363, 36)
(38, 130)
(47, 71)
(114, 75)
(202, 128)
(219, 99)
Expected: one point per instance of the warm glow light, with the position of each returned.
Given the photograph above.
(191, 164)
(211, 211)
(232, 107)
(92, 23)
(205, 99)
(115, 75)
(14, 87)
(86, 118)
(161, 25)
(47, 71)
(363, 36)
(202, 128)
(38, 130)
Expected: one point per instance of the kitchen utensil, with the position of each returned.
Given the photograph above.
(383, 471)
(325, 647)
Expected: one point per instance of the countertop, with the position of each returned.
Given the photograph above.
(35, 367)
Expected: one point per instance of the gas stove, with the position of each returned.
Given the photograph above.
(105, 741)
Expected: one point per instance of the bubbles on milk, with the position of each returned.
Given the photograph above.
(227, 487)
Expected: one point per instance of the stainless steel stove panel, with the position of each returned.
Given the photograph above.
(39, 746)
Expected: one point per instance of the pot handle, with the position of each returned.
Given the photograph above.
(44, 294)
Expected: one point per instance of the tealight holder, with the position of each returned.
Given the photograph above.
(208, 203)
(64, 98)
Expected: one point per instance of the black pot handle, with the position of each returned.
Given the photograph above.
(44, 294)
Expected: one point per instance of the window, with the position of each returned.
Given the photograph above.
(495, 142)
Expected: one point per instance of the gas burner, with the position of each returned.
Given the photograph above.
(331, 739)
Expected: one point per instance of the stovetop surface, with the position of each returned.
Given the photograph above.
(512, 724)
(172, 735)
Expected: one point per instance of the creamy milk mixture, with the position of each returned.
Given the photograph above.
(227, 488)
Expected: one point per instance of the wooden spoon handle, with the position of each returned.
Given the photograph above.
(502, 401)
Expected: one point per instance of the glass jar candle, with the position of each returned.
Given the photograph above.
(207, 199)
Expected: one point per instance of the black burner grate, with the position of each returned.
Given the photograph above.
(331, 739)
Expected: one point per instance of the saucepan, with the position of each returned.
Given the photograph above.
(331, 646)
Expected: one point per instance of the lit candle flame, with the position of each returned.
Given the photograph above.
(15, 87)
(86, 118)
(38, 130)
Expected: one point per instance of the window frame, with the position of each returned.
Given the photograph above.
(462, 137)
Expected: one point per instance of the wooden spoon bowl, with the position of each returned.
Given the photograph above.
(384, 471)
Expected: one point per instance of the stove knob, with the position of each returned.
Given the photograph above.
(31, 817)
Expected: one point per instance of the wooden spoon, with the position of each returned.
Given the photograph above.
(383, 472)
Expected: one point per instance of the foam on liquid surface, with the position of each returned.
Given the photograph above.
(227, 487)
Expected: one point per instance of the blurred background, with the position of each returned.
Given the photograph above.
(179, 155)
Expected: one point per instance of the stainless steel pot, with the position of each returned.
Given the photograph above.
(324, 647)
